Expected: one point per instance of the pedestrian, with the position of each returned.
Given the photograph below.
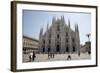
(30, 56)
(79, 54)
(69, 57)
(48, 55)
(53, 55)
(33, 57)
(89, 52)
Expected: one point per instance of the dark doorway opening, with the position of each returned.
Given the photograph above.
(67, 49)
(48, 49)
(74, 49)
(57, 48)
(43, 49)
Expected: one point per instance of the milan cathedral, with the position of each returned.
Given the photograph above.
(59, 37)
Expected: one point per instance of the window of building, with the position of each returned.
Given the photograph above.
(24, 43)
(29, 44)
(57, 35)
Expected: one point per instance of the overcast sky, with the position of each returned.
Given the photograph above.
(33, 21)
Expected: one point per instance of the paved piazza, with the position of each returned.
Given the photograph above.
(57, 57)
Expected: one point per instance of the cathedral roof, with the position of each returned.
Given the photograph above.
(30, 38)
(61, 22)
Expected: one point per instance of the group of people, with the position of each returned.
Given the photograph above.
(69, 56)
(32, 56)
(51, 55)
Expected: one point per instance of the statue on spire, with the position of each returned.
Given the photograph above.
(62, 19)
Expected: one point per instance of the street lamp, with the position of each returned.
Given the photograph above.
(88, 35)
(89, 49)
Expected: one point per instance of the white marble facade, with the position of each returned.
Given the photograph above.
(59, 37)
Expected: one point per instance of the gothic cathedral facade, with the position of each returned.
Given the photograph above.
(59, 37)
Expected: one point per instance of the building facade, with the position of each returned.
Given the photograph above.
(30, 44)
(86, 47)
(59, 37)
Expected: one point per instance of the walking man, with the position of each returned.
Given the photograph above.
(33, 55)
(69, 57)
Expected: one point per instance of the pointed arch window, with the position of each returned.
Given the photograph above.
(58, 48)
(58, 36)
(67, 49)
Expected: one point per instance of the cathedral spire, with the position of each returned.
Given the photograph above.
(69, 23)
(76, 28)
(47, 25)
(53, 20)
(69, 35)
(62, 19)
(41, 32)
(77, 38)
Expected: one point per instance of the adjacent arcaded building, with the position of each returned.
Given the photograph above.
(30, 43)
(59, 37)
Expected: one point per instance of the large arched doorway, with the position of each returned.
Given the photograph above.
(43, 49)
(74, 49)
(67, 49)
(49, 49)
(58, 48)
